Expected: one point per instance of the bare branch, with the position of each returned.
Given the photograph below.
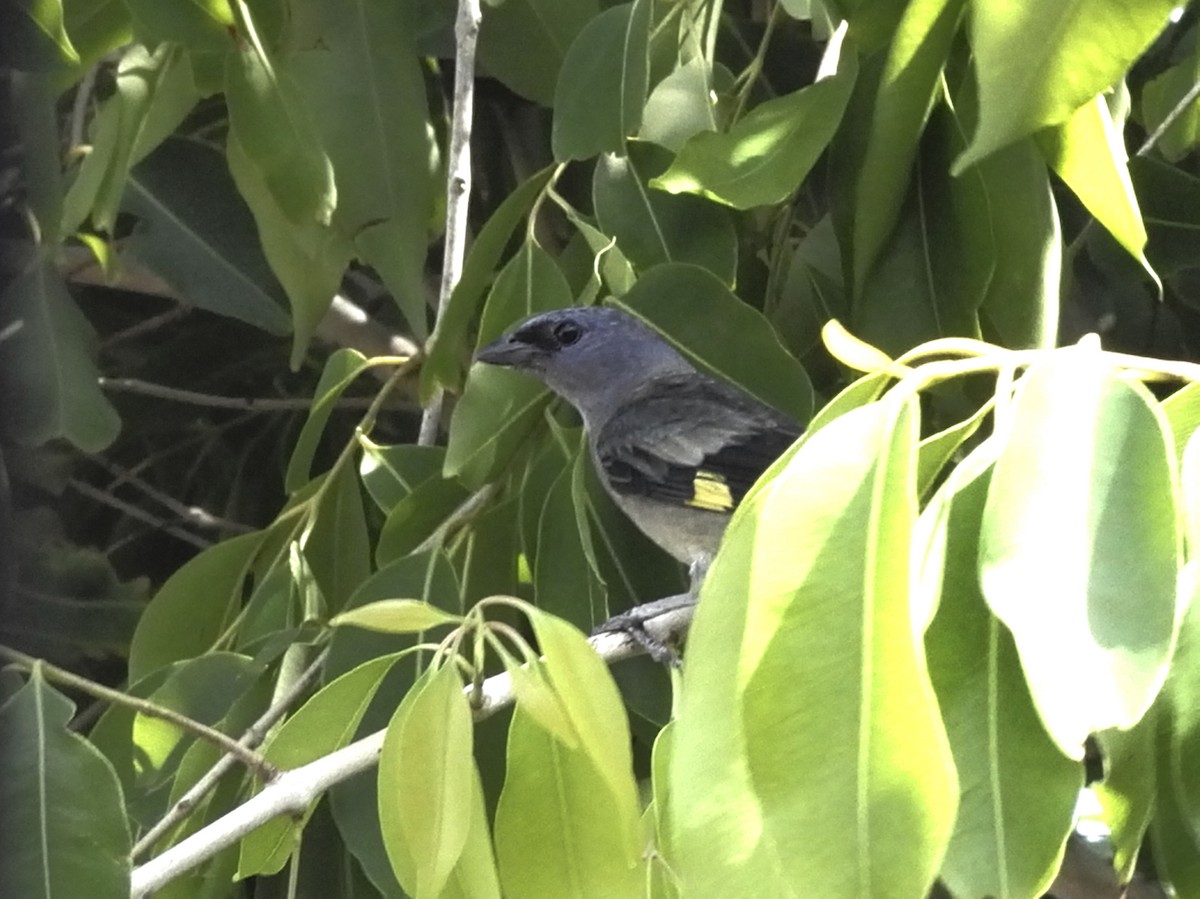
(458, 182)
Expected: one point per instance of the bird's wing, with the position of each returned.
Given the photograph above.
(691, 441)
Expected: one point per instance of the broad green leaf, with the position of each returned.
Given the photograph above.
(308, 259)
(1181, 709)
(537, 700)
(1088, 154)
(1017, 790)
(1182, 411)
(197, 24)
(395, 616)
(1127, 793)
(1081, 515)
(558, 832)
(491, 420)
(33, 39)
(900, 107)
(192, 609)
(193, 231)
(48, 382)
(427, 790)
(65, 829)
(1170, 201)
(324, 723)
(154, 93)
(765, 156)
(97, 27)
(338, 546)
(680, 106)
(564, 583)
(34, 113)
(591, 701)
(390, 473)
(203, 689)
(682, 302)
(652, 226)
(430, 577)
(487, 552)
(415, 518)
(811, 292)
(530, 282)
(1172, 833)
(363, 82)
(938, 449)
(1161, 95)
(610, 267)
(1190, 483)
(752, 776)
(602, 84)
(449, 342)
(1036, 63)
(341, 369)
(523, 42)
(270, 118)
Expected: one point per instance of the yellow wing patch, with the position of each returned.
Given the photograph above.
(709, 491)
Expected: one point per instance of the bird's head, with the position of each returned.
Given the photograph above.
(590, 355)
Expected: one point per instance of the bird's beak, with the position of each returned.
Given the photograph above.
(508, 352)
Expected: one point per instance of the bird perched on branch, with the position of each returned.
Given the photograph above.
(675, 448)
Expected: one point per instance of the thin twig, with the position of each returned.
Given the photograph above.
(291, 792)
(193, 515)
(464, 512)
(138, 513)
(214, 401)
(458, 183)
(250, 759)
(254, 735)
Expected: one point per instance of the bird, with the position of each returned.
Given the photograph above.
(674, 447)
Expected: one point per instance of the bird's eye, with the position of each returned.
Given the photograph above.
(567, 333)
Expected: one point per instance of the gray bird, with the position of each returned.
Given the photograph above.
(675, 448)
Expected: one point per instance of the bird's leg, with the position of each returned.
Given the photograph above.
(633, 622)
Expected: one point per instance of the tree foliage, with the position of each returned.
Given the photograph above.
(251, 483)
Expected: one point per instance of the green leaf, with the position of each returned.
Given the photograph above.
(1087, 152)
(415, 518)
(491, 420)
(198, 24)
(523, 42)
(34, 113)
(427, 791)
(338, 546)
(682, 302)
(395, 616)
(1017, 791)
(757, 703)
(1081, 515)
(448, 343)
(1170, 200)
(529, 283)
(194, 232)
(1036, 63)
(1161, 95)
(192, 609)
(653, 227)
(899, 109)
(362, 80)
(591, 701)
(564, 583)
(766, 155)
(391, 473)
(66, 833)
(324, 723)
(1182, 411)
(679, 107)
(341, 369)
(32, 36)
(603, 82)
(154, 93)
(1127, 793)
(308, 258)
(557, 832)
(270, 119)
(203, 689)
(48, 382)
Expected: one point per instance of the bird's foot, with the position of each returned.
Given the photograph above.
(654, 625)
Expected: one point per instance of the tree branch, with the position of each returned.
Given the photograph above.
(458, 183)
(291, 792)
